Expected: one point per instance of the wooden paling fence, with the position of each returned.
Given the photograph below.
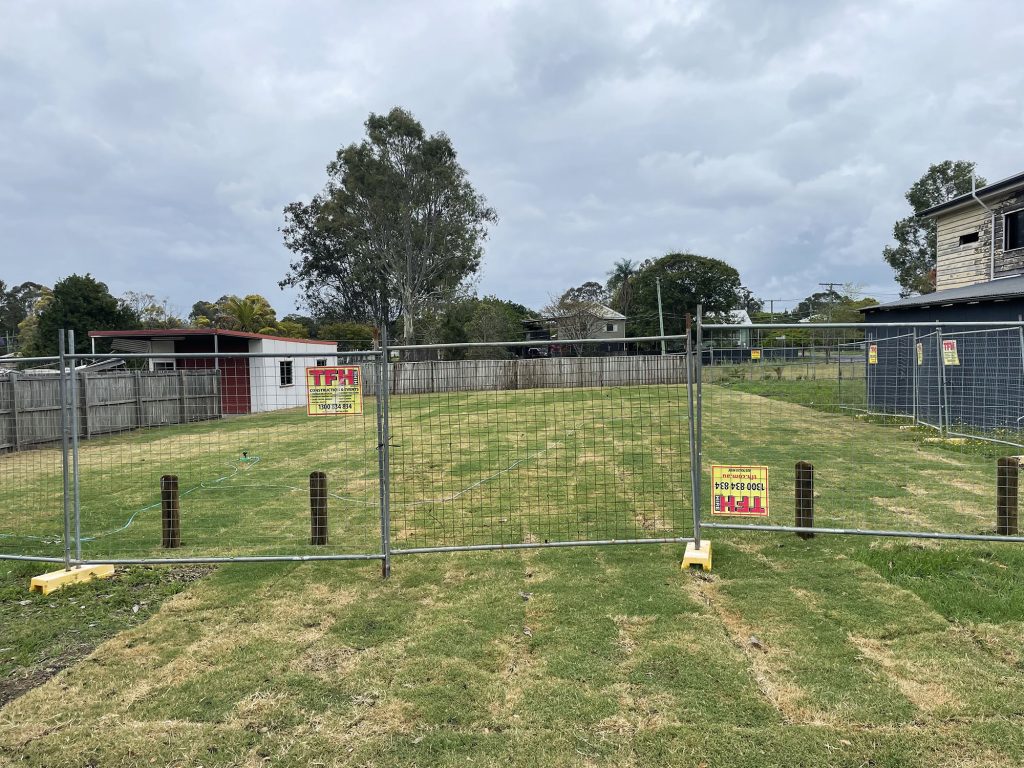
(107, 403)
(408, 378)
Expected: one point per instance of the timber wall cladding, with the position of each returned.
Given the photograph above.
(107, 403)
(959, 265)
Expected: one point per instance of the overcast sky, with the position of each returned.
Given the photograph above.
(155, 144)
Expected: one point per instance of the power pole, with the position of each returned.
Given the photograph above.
(831, 291)
(661, 317)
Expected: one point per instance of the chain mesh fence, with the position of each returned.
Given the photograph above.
(232, 431)
(871, 408)
(31, 459)
(587, 445)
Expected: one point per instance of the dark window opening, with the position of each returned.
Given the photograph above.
(969, 238)
(286, 373)
(1013, 225)
(609, 327)
(321, 362)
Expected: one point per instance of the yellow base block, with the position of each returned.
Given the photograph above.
(694, 556)
(50, 582)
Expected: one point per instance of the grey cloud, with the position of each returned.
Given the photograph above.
(155, 145)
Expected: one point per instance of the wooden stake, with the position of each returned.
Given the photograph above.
(170, 514)
(804, 497)
(318, 508)
(1007, 471)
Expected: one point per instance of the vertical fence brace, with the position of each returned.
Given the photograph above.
(318, 508)
(170, 514)
(1007, 471)
(804, 485)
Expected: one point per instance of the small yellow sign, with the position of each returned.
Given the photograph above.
(755, 354)
(739, 491)
(872, 354)
(949, 353)
(920, 353)
(334, 391)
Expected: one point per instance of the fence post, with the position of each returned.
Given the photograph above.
(62, 393)
(804, 485)
(170, 513)
(137, 376)
(699, 364)
(913, 378)
(942, 378)
(15, 405)
(73, 413)
(383, 457)
(1007, 471)
(318, 508)
(184, 396)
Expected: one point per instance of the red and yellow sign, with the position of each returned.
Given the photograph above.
(334, 391)
(740, 491)
(872, 354)
(920, 353)
(755, 354)
(949, 353)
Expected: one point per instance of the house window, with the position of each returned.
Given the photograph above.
(972, 237)
(286, 373)
(163, 365)
(1013, 227)
(609, 327)
(321, 362)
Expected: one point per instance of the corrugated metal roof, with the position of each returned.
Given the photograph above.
(1003, 288)
(155, 333)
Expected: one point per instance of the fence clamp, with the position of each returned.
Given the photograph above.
(697, 556)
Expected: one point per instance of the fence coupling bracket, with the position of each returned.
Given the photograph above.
(695, 556)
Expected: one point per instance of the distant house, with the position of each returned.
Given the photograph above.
(247, 384)
(589, 321)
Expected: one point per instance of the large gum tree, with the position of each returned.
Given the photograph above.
(395, 231)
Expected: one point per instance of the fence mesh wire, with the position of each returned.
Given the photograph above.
(31, 477)
(590, 446)
(235, 433)
(872, 409)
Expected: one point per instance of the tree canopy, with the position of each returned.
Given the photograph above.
(397, 228)
(80, 303)
(686, 281)
(913, 256)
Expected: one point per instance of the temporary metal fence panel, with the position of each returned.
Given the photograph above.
(869, 407)
(31, 460)
(590, 447)
(244, 486)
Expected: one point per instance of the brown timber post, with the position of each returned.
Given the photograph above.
(318, 508)
(170, 515)
(1007, 471)
(804, 485)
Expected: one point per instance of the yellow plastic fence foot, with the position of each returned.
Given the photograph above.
(695, 556)
(50, 582)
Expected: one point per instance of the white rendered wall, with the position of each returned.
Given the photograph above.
(265, 388)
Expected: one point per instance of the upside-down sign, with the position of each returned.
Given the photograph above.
(334, 391)
(741, 491)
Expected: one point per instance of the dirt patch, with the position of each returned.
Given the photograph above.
(784, 695)
(629, 627)
(20, 683)
(926, 695)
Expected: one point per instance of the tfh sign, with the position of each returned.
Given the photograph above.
(334, 391)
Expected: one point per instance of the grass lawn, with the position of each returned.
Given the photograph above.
(831, 652)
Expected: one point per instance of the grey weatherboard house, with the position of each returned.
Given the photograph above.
(979, 276)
